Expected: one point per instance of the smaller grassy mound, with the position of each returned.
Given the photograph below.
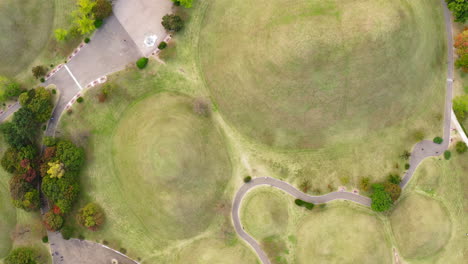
(421, 226)
(212, 251)
(342, 235)
(264, 213)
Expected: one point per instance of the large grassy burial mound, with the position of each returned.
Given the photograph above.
(173, 165)
(26, 26)
(305, 73)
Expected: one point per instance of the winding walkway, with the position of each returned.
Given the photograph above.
(420, 151)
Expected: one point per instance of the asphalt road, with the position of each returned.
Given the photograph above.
(420, 151)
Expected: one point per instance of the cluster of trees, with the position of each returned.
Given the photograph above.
(459, 9)
(460, 106)
(461, 44)
(89, 15)
(22, 157)
(59, 167)
(22, 255)
(9, 89)
(385, 194)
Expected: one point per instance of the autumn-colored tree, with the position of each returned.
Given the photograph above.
(56, 170)
(394, 190)
(461, 44)
(53, 222)
(91, 216)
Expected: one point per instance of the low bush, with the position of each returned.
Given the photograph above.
(42, 79)
(162, 45)
(98, 23)
(141, 63)
(45, 239)
(247, 179)
(438, 140)
(447, 155)
(87, 40)
(394, 178)
(305, 204)
(461, 147)
(79, 100)
(67, 232)
(407, 166)
(54, 91)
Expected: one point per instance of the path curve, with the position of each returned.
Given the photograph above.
(420, 151)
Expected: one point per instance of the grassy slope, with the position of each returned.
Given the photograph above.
(23, 46)
(372, 119)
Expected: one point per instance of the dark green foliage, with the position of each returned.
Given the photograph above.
(54, 91)
(394, 178)
(22, 255)
(42, 79)
(461, 147)
(39, 101)
(8, 89)
(61, 191)
(172, 22)
(142, 62)
(459, 9)
(438, 140)
(247, 179)
(45, 239)
(87, 40)
(39, 71)
(49, 141)
(407, 166)
(67, 232)
(81, 237)
(381, 200)
(22, 130)
(98, 23)
(305, 204)
(447, 155)
(406, 155)
(53, 222)
(79, 100)
(11, 160)
(460, 105)
(162, 45)
(102, 9)
(70, 155)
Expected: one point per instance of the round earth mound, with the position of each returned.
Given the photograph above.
(171, 164)
(342, 235)
(299, 74)
(264, 213)
(421, 226)
(26, 27)
(212, 251)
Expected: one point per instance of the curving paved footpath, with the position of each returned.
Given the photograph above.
(420, 151)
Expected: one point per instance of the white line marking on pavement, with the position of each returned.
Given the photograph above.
(71, 74)
(449, 80)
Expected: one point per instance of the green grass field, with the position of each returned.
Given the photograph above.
(429, 224)
(28, 39)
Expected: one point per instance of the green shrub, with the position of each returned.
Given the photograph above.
(394, 178)
(91, 216)
(247, 179)
(22, 255)
(98, 23)
(54, 91)
(438, 140)
(172, 23)
(299, 202)
(42, 79)
(79, 100)
(142, 62)
(162, 45)
(45, 239)
(447, 155)
(102, 9)
(461, 147)
(87, 40)
(39, 71)
(81, 237)
(307, 205)
(381, 200)
(407, 166)
(67, 232)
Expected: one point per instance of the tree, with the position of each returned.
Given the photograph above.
(8, 89)
(447, 154)
(184, 3)
(406, 155)
(61, 191)
(460, 106)
(102, 9)
(61, 34)
(142, 62)
(84, 17)
(55, 170)
(172, 23)
(22, 255)
(394, 178)
(39, 71)
(461, 42)
(23, 194)
(461, 147)
(91, 216)
(364, 184)
(381, 200)
(39, 101)
(394, 190)
(438, 140)
(459, 9)
(70, 155)
(53, 222)
(462, 62)
(21, 131)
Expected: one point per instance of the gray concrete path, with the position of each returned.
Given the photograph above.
(421, 151)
